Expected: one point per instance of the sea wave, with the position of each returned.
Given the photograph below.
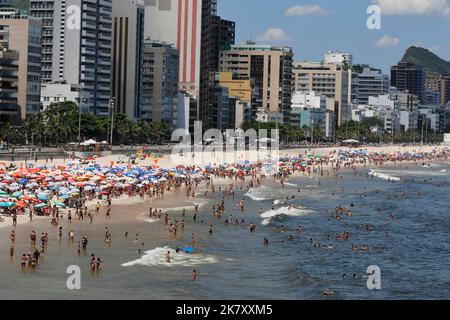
(144, 217)
(258, 194)
(383, 176)
(157, 257)
(283, 211)
(290, 184)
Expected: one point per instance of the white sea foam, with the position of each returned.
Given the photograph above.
(283, 211)
(383, 176)
(290, 184)
(157, 257)
(258, 194)
(180, 209)
(144, 217)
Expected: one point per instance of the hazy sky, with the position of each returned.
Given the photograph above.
(312, 27)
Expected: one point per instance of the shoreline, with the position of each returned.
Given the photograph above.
(137, 201)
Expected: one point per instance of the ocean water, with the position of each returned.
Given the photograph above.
(232, 263)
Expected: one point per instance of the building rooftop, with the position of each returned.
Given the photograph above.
(249, 45)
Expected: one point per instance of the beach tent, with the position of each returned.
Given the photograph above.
(89, 142)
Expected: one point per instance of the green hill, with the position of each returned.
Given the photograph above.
(427, 59)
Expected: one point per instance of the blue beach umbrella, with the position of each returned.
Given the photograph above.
(58, 204)
(17, 194)
(7, 204)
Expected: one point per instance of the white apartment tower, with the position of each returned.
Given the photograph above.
(43, 10)
(80, 53)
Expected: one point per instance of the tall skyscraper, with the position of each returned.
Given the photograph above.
(81, 51)
(127, 52)
(43, 10)
(159, 82)
(198, 33)
(270, 68)
(179, 22)
(21, 33)
(9, 68)
(408, 76)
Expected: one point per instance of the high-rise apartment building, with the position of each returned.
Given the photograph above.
(159, 82)
(330, 80)
(270, 68)
(179, 22)
(371, 82)
(43, 10)
(198, 33)
(81, 47)
(408, 76)
(9, 68)
(22, 34)
(127, 56)
(441, 85)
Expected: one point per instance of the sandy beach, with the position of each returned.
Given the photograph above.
(166, 161)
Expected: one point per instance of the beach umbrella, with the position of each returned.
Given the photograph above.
(17, 194)
(7, 204)
(41, 205)
(58, 204)
(42, 197)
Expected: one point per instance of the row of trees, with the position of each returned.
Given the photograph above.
(59, 125)
(361, 131)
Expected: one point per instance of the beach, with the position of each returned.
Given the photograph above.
(232, 261)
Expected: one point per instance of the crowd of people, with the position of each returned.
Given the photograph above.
(59, 191)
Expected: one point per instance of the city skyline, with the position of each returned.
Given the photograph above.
(281, 23)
